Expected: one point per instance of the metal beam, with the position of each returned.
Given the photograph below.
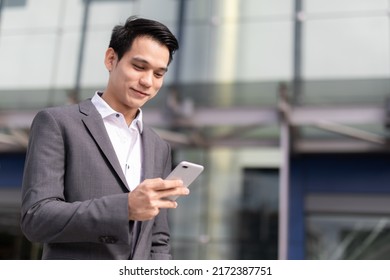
(344, 115)
(284, 178)
(238, 116)
(297, 56)
(180, 37)
(235, 116)
(337, 146)
(80, 60)
(16, 119)
(352, 132)
(334, 119)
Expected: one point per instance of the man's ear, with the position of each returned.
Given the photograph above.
(110, 59)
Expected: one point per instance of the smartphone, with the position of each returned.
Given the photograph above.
(185, 171)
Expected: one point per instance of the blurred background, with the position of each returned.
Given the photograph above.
(285, 102)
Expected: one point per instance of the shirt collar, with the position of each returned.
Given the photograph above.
(105, 110)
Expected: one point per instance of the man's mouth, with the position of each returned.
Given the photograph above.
(140, 92)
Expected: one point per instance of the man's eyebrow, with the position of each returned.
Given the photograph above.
(141, 60)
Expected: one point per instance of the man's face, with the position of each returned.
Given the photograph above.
(138, 76)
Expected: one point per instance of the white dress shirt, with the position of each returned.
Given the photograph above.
(125, 139)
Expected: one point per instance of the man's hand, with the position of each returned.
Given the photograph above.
(148, 197)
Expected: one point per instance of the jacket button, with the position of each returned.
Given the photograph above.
(108, 239)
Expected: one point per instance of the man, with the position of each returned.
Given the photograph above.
(92, 186)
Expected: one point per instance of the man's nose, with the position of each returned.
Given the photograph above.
(146, 79)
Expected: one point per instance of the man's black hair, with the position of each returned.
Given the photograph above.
(123, 36)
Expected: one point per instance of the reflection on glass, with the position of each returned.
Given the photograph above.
(258, 215)
(348, 237)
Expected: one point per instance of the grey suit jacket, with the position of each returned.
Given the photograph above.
(75, 195)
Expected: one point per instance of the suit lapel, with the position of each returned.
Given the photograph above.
(94, 123)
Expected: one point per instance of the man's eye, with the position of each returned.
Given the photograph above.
(138, 67)
(159, 75)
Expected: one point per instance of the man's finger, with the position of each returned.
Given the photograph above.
(181, 191)
(165, 203)
(160, 184)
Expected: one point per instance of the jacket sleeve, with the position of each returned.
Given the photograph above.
(45, 214)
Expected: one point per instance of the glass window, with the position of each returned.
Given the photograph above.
(237, 41)
(344, 5)
(258, 215)
(232, 211)
(348, 237)
(346, 47)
